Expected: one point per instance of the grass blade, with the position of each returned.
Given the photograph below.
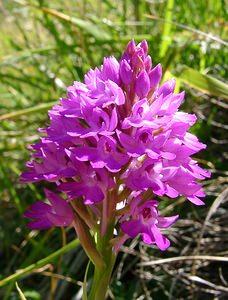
(84, 282)
(87, 26)
(40, 263)
(166, 35)
(22, 296)
(27, 111)
(20, 55)
(208, 36)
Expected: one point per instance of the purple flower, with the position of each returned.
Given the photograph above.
(90, 184)
(125, 72)
(43, 215)
(145, 219)
(155, 76)
(103, 155)
(119, 133)
(53, 165)
(142, 84)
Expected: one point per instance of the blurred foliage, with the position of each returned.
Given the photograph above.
(45, 46)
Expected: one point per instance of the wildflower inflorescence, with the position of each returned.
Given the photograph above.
(114, 145)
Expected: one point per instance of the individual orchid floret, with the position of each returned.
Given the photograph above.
(44, 215)
(155, 76)
(90, 184)
(125, 72)
(142, 85)
(103, 155)
(144, 219)
(53, 165)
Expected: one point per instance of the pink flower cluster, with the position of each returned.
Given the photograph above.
(118, 137)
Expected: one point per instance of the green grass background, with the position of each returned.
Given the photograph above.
(45, 46)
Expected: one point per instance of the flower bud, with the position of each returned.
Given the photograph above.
(142, 85)
(148, 63)
(125, 72)
(167, 88)
(137, 61)
(155, 76)
(131, 47)
(144, 46)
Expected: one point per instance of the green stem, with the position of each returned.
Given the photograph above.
(100, 283)
(102, 276)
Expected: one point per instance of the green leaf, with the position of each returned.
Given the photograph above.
(40, 263)
(202, 82)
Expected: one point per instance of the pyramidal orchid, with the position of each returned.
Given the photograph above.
(118, 139)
